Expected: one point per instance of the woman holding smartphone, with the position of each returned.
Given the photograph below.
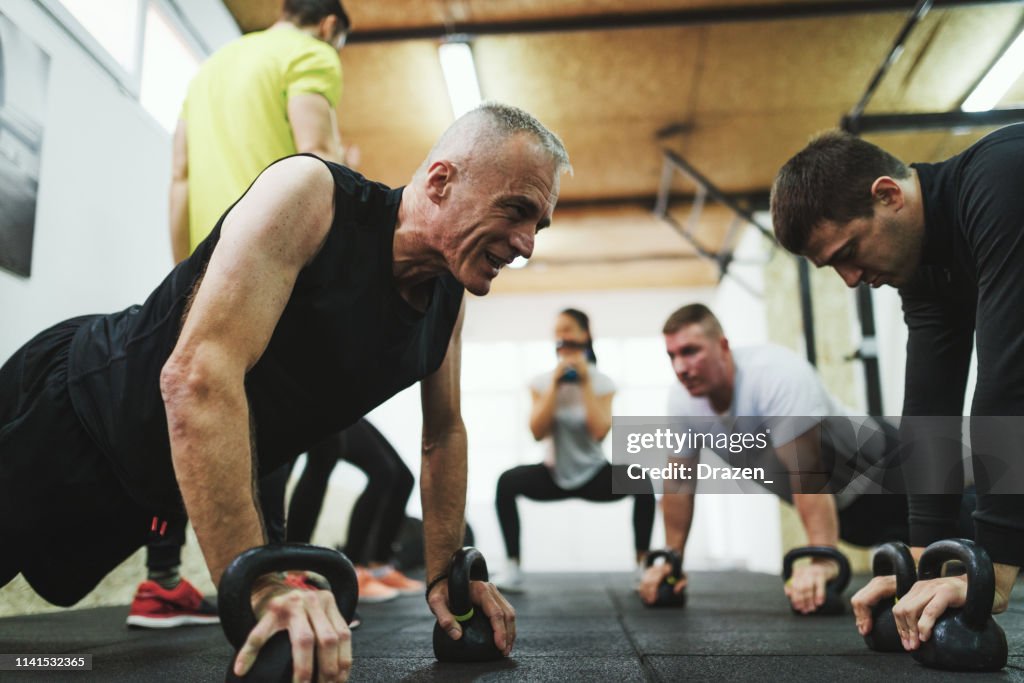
(572, 409)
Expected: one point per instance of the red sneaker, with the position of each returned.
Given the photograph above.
(156, 607)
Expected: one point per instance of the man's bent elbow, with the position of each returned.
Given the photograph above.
(182, 385)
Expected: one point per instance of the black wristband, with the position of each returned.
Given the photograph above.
(443, 576)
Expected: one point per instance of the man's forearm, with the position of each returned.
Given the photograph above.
(818, 514)
(443, 496)
(678, 511)
(211, 453)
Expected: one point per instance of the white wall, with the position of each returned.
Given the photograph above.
(100, 236)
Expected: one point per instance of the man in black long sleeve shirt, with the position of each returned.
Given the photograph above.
(949, 236)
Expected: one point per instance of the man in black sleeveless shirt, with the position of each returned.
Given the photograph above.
(318, 296)
(949, 237)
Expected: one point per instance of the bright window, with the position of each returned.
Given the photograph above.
(113, 23)
(168, 64)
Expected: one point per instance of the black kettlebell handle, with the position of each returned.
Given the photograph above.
(671, 557)
(839, 583)
(234, 594)
(981, 577)
(466, 564)
(895, 558)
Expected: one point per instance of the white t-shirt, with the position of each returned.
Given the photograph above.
(774, 382)
(574, 456)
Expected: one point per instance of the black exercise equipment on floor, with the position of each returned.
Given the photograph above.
(274, 663)
(834, 603)
(965, 638)
(477, 641)
(891, 559)
(667, 595)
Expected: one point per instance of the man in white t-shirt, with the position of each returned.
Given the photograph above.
(718, 383)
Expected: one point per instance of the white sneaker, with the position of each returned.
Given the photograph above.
(638, 575)
(510, 580)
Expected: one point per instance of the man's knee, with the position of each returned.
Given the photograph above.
(62, 590)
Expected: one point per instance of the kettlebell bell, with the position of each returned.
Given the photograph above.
(833, 604)
(234, 601)
(964, 638)
(477, 641)
(890, 558)
(666, 596)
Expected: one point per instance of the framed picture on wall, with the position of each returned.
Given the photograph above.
(24, 74)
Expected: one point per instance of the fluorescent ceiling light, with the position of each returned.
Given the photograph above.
(1003, 74)
(460, 76)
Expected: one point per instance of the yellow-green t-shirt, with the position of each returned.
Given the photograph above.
(236, 113)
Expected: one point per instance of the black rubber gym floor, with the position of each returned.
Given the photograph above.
(587, 627)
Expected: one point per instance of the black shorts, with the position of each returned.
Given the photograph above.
(65, 519)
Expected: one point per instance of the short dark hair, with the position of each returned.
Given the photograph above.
(829, 179)
(583, 320)
(693, 314)
(307, 12)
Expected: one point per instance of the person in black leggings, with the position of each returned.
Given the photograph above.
(572, 405)
(377, 515)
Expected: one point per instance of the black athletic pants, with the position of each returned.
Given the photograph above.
(380, 508)
(65, 519)
(164, 552)
(535, 483)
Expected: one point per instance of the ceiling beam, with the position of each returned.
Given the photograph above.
(662, 19)
(894, 123)
(754, 200)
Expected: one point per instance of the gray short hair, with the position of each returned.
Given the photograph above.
(493, 122)
(512, 120)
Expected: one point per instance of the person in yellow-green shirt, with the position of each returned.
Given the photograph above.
(262, 97)
(267, 95)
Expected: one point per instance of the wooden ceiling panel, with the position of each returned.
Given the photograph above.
(253, 15)
(792, 65)
(588, 276)
(741, 152)
(397, 87)
(517, 10)
(642, 74)
(605, 155)
(616, 234)
(604, 248)
(373, 14)
(944, 57)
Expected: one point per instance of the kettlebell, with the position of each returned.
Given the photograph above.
(477, 641)
(833, 589)
(964, 638)
(666, 596)
(890, 558)
(234, 601)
